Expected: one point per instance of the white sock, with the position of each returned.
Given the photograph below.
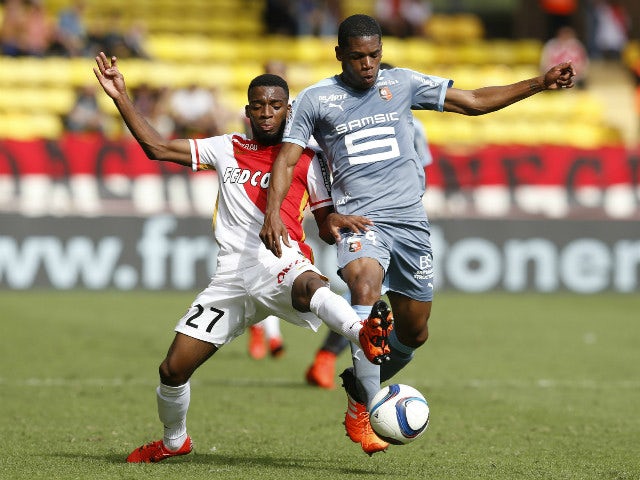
(173, 403)
(336, 312)
(271, 326)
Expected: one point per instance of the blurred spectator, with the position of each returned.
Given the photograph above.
(196, 112)
(276, 67)
(280, 17)
(563, 47)
(152, 103)
(134, 40)
(612, 26)
(114, 39)
(11, 30)
(72, 33)
(318, 17)
(38, 30)
(559, 13)
(85, 115)
(403, 18)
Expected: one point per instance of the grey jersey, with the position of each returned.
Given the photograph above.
(368, 138)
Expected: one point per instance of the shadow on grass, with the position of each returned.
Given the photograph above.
(232, 461)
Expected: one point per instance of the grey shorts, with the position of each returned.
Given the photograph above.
(403, 251)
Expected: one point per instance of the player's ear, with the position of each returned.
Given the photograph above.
(246, 111)
(338, 54)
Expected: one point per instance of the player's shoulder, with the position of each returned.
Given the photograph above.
(242, 142)
(318, 87)
(401, 74)
(217, 139)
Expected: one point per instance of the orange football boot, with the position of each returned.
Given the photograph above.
(374, 334)
(156, 452)
(322, 371)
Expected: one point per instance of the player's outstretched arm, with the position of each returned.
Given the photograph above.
(153, 144)
(330, 224)
(489, 99)
(273, 229)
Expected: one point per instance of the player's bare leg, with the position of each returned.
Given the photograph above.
(410, 331)
(185, 355)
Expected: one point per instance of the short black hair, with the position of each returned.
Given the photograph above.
(269, 80)
(358, 25)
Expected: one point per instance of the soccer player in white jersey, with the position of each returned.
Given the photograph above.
(361, 120)
(250, 282)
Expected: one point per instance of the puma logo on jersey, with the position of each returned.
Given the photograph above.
(336, 105)
(242, 175)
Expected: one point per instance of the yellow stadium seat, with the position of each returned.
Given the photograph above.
(324, 70)
(501, 52)
(165, 47)
(244, 73)
(394, 51)
(527, 51)
(466, 27)
(250, 50)
(420, 54)
(438, 28)
(37, 99)
(313, 49)
(21, 126)
(214, 74)
(224, 49)
(80, 71)
(278, 47)
(473, 53)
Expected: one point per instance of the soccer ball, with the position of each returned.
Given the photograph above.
(399, 414)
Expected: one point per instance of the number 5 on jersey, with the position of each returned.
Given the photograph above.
(359, 142)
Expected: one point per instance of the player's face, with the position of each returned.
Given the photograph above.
(360, 61)
(267, 112)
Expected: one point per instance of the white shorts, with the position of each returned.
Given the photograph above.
(242, 293)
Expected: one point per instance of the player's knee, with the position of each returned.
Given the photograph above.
(171, 376)
(364, 292)
(303, 289)
(421, 337)
(415, 339)
(414, 334)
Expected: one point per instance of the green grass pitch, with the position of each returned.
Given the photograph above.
(520, 387)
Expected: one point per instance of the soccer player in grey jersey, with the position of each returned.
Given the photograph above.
(361, 118)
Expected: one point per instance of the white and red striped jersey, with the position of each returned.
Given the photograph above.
(243, 166)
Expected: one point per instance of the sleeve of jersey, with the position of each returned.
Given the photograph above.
(429, 91)
(318, 184)
(205, 152)
(300, 123)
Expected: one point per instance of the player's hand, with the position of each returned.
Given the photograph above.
(273, 231)
(560, 76)
(109, 76)
(337, 222)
